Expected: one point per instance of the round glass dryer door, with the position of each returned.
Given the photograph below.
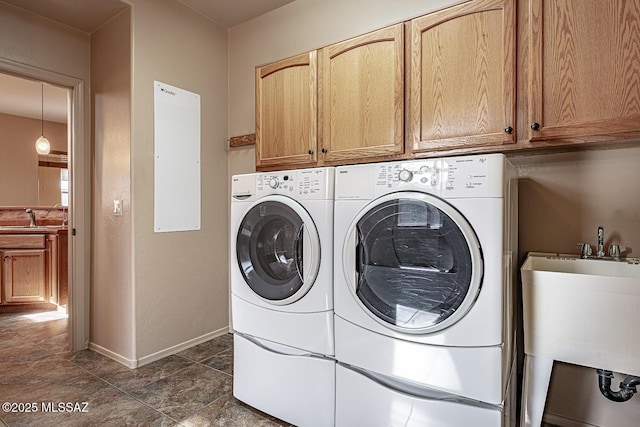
(418, 263)
(278, 249)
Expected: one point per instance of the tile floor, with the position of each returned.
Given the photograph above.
(192, 388)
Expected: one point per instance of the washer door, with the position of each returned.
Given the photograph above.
(413, 262)
(278, 249)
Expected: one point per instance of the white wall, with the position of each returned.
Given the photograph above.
(181, 278)
(112, 296)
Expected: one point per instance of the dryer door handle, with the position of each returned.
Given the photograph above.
(359, 257)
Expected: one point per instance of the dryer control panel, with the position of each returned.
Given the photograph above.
(465, 176)
(470, 176)
(427, 174)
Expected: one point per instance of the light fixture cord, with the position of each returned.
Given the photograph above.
(42, 108)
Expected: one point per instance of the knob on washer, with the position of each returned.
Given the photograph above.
(405, 175)
(273, 183)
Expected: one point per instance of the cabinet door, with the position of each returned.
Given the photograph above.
(362, 96)
(23, 275)
(286, 112)
(463, 77)
(584, 68)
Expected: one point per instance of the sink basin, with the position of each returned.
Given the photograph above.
(579, 311)
(582, 311)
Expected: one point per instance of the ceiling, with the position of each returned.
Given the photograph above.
(88, 15)
(22, 97)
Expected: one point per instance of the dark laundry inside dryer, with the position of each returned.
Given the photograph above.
(414, 266)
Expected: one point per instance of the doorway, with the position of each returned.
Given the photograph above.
(78, 151)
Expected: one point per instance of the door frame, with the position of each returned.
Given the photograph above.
(79, 195)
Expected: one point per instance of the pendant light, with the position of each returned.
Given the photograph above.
(42, 144)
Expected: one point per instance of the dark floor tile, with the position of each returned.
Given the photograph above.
(77, 387)
(22, 351)
(227, 411)
(39, 330)
(209, 348)
(85, 390)
(131, 379)
(222, 362)
(185, 392)
(38, 373)
(117, 412)
(55, 344)
(96, 363)
(10, 338)
(194, 386)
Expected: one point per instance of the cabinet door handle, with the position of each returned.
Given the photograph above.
(535, 126)
(508, 129)
(324, 151)
(311, 152)
(7, 257)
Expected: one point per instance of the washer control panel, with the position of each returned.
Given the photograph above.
(304, 183)
(275, 183)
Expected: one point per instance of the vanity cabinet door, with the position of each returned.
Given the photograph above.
(362, 97)
(462, 92)
(584, 70)
(286, 113)
(23, 275)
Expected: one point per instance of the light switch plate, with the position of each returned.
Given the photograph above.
(117, 207)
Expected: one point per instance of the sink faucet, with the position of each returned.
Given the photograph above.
(600, 251)
(64, 213)
(615, 250)
(32, 217)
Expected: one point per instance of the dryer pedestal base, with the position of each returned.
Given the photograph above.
(361, 401)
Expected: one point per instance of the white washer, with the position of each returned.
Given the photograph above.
(423, 284)
(281, 270)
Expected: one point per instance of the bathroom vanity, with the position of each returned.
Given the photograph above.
(33, 265)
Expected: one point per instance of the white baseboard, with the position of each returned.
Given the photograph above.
(129, 363)
(560, 421)
(136, 363)
(182, 346)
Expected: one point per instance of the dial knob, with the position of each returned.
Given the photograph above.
(273, 183)
(405, 175)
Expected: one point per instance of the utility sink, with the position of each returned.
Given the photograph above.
(580, 311)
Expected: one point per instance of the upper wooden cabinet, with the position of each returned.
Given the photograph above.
(584, 69)
(361, 101)
(463, 77)
(286, 112)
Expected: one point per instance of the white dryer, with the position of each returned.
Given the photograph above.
(281, 272)
(423, 284)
